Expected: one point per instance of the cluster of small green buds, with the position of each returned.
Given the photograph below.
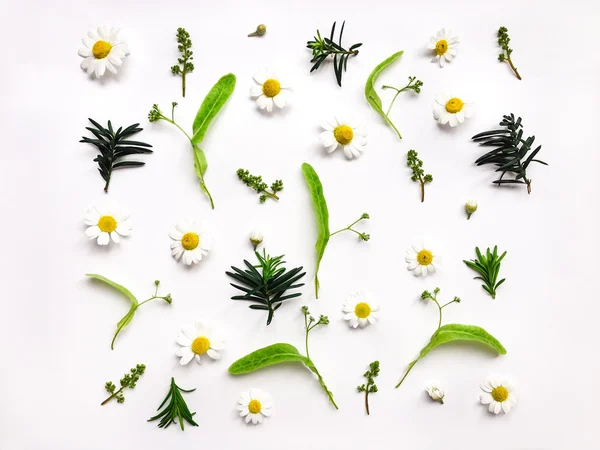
(416, 86)
(185, 45)
(257, 183)
(365, 216)
(260, 31)
(364, 236)
(503, 41)
(155, 114)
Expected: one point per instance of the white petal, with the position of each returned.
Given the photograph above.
(198, 359)
(328, 125)
(256, 91)
(175, 235)
(190, 331)
(217, 344)
(93, 232)
(262, 101)
(506, 407)
(327, 138)
(269, 104)
(486, 398)
(497, 407)
(442, 61)
(115, 237)
(279, 100)
(186, 354)
(100, 68)
(103, 238)
(187, 258)
(183, 340)
(124, 228)
(84, 52)
(213, 354)
(332, 148)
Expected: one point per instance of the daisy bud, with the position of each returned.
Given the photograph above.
(470, 208)
(256, 238)
(260, 31)
(435, 392)
(365, 216)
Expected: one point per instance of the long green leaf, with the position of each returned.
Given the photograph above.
(321, 213)
(457, 332)
(370, 92)
(267, 356)
(200, 166)
(212, 104)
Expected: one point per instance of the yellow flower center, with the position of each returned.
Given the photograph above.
(500, 393)
(343, 134)
(271, 87)
(454, 105)
(190, 241)
(254, 407)
(101, 49)
(200, 345)
(441, 47)
(108, 224)
(424, 257)
(362, 310)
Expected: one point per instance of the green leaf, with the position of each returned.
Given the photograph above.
(370, 92)
(456, 332)
(321, 213)
(267, 356)
(212, 104)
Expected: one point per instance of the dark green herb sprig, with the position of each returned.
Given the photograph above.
(488, 267)
(324, 47)
(185, 65)
(370, 386)
(129, 380)
(510, 152)
(416, 166)
(176, 409)
(503, 41)
(257, 183)
(267, 287)
(113, 147)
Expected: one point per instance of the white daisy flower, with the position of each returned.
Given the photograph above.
(435, 391)
(359, 311)
(451, 110)
(198, 340)
(421, 260)
(444, 45)
(107, 221)
(347, 133)
(189, 241)
(272, 89)
(103, 50)
(499, 394)
(254, 405)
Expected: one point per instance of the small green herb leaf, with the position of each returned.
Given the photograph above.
(212, 104)
(267, 356)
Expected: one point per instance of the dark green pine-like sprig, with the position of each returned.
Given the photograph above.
(266, 288)
(510, 154)
(185, 65)
(257, 183)
(488, 267)
(176, 409)
(324, 47)
(369, 387)
(113, 146)
(129, 380)
(416, 165)
(503, 41)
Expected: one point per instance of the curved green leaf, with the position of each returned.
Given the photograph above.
(457, 332)
(212, 104)
(321, 213)
(267, 356)
(200, 166)
(370, 92)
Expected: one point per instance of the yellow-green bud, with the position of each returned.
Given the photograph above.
(260, 31)
(470, 208)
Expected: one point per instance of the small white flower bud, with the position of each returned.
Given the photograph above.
(256, 238)
(470, 208)
(435, 391)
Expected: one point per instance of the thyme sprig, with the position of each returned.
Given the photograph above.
(369, 387)
(257, 183)
(324, 47)
(504, 56)
(416, 165)
(129, 380)
(176, 409)
(488, 267)
(184, 65)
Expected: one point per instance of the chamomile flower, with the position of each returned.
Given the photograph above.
(106, 222)
(350, 135)
(444, 46)
(499, 394)
(271, 89)
(189, 242)
(103, 50)
(421, 260)
(196, 341)
(360, 311)
(254, 405)
(451, 110)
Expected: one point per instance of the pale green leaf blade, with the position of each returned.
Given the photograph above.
(212, 104)
(267, 356)
(457, 332)
(118, 287)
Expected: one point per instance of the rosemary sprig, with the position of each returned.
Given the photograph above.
(510, 152)
(503, 41)
(267, 288)
(176, 409)
(370, 386)
(324, 47)
(113, 146)
(129, 380)
(257, 183)
(184, 65)
(416, 166)
(488, 267)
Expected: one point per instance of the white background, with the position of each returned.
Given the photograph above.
(56, 325)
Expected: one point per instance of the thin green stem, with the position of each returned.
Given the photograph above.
(112, 396)
(395, 96)
(348, 228)
(410, 366)
(183, 85)
(512, 66)
(177, 125)
(270, 195)
(306, 337)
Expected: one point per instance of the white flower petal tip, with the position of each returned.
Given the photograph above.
(421, 260)
(347, 134)
(189, 242)
(435, 391)
(498, 394)
(270, 90)
(198, 342)
(360, 311)
(254, 405)
(451, 110)
(103, 49)
(107, 222)
(444, 47)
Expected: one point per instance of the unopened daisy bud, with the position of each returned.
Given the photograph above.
(365, 216)
(256, 238)
(260, 31)
(470, 208)
(435, 392)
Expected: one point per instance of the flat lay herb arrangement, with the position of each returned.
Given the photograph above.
(267, 282)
